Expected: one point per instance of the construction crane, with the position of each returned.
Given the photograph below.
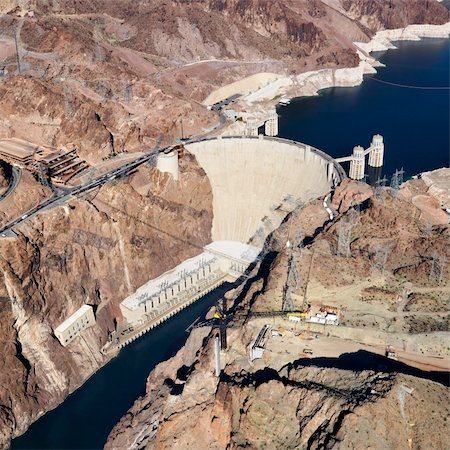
(220, 320)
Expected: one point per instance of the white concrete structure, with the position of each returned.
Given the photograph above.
(80, 320)
(271, 125)
(251, 176)
(358, 161)
(168, 163)
(376, 154)
(258, 346)
(252, 126)
(220, 262)
(217, 365)
(357, 164)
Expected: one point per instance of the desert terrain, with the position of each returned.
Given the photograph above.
(115, 80)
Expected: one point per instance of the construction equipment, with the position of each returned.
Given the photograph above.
(390, 353)
(220, 320)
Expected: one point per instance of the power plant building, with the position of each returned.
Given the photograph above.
(79, 321)
(220, 262)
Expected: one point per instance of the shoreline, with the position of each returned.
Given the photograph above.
(310, 83)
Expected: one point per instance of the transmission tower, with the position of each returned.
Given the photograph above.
(427, 228)
(379, 184)
(16, 42)
(397, 179)
(380, 258)
(437, 268)
(293, 277)
(128, 93)
(345, 235)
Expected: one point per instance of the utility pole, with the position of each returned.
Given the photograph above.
(182, 130)
(380, 258)
(345, 232)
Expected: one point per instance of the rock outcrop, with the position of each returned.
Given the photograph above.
(113, 78)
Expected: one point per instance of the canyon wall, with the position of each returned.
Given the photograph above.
(94, 250)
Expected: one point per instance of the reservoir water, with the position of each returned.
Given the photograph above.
(415, 124)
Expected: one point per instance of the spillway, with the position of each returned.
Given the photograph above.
(252, 176)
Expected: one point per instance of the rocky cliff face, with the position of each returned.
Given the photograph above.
(347, 395)
(382, 14)
(95, 250)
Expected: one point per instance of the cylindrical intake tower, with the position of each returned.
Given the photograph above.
(168, 163)
(357, 164)
(376, 153)
(271, 125)
(252, 126)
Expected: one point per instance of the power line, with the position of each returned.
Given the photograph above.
(407, 86)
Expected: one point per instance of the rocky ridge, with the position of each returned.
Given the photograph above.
(112, 78)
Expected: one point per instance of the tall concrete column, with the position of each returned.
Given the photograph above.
(376, 153)
(252, 126)
(271, 125)
(357, 164)
(217, 356)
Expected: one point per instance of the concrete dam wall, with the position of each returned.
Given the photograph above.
(254, 179)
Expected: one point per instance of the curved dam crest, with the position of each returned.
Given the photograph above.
(252, 176)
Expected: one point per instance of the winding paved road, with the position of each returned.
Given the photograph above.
(16, 175)
(62, 196)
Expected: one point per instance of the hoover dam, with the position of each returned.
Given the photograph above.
(257, 180)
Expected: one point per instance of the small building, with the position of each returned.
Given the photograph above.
(230, 114)
(80, 320)
(258, 346)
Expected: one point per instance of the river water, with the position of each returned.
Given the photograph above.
(415, 124)
(87, 416)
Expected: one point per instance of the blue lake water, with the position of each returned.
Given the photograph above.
(415, 124)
